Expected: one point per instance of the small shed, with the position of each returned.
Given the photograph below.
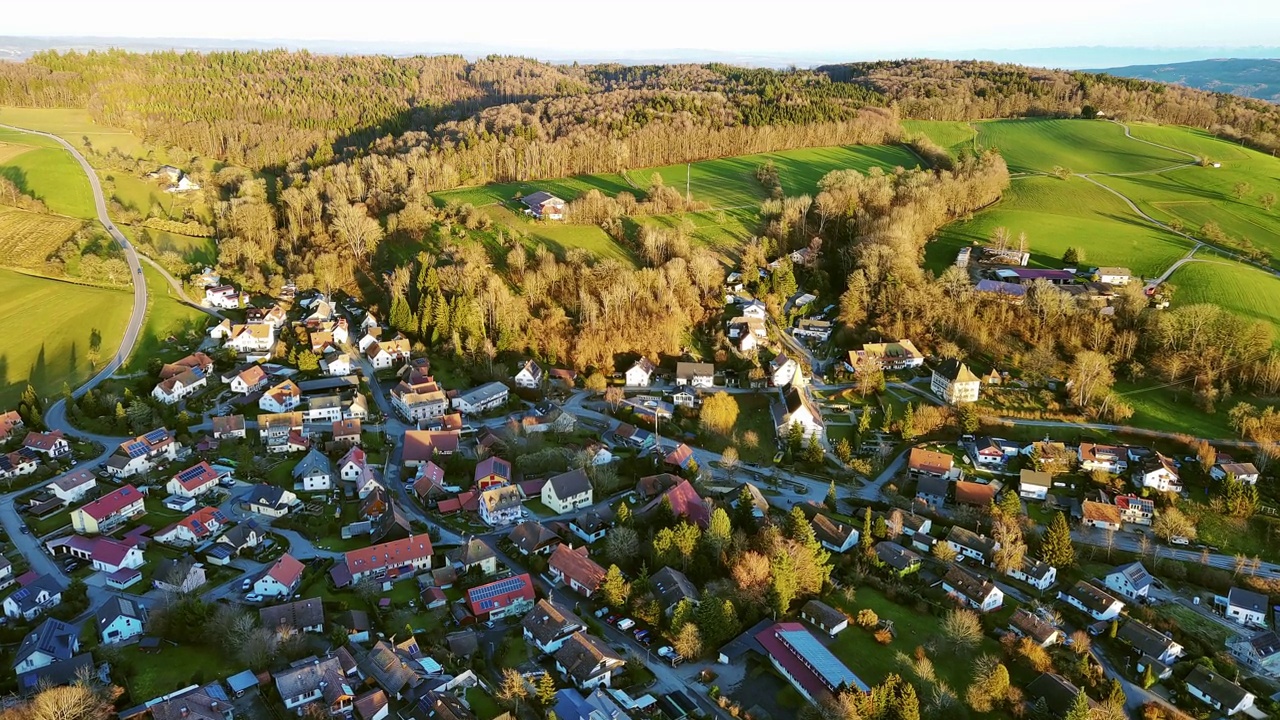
(242, 682)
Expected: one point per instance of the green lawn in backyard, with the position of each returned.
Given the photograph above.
(1192, 622)
(152, 675)
(49, 327)
(1232, 536)
(1057, 214)
(482, 704)
(167, 317)
(53, 177)
(753, 417)
(192, 249)
(1234, 286)
(954, 135)
(1082, 146)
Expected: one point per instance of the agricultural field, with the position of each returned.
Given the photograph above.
(49, 174)
(49, 328)
(167, 317)
(192, 249)
(952, 135)
(75, 126)
(27, 239)
(1241, 289)
(1056, 214)
(1082, 146)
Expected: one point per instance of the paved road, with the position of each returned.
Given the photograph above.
(1129, 542)
(179, 290)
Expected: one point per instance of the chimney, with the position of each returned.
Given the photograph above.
(185, 711)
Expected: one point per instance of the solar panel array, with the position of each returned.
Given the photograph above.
(827, 666)
(492, 590)
(21, 595)
(191, 473)
(134, 449)
(157, 435)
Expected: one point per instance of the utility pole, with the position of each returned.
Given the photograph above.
(688, 174)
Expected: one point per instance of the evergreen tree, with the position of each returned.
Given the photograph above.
(968, 416)
(664, 516)
(1010, 505)
(886, 423)
(832, 500)
(1148, 677)
(864, 421)
(719, 533)
(546, 689)
(864, 540)
(683, 613)
(623, 516)
(783, 585)
(615, 589)
(908, 424)
(1057, 549)
(904, 704)
(1079, 708)
(880, 530)
(813, 452)
(844, 451)
(795, 438)
(744, 514)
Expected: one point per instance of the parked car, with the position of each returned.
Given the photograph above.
(613, 619)
(666, 652)
(253, 598)
(246, 585)
(25, 530)
(626, 624)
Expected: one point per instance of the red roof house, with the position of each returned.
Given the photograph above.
(574, 568)
(685, 503)
(500, 598)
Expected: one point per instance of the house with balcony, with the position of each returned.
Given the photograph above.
(108, 511)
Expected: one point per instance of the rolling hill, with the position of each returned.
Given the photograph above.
(1247, 77)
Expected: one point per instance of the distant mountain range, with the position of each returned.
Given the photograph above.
(1248, 77)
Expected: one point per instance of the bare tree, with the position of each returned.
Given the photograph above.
(962, 628)
(511, 689)
(729, 460)
(613, 395)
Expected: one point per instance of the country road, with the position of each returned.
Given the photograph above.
(178, 290)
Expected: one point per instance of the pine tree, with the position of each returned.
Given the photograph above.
(844, 450)
(1010, 505)
(908, 424)
(813, 452)
(865, 539)
(1148, 677)
(831, 497)
(905, 704)
(784, 585)
(864, 421)
(1057, 549)
(1079, 708)
(623, 516)
(880, 530)
(886, 423)
(615, 589)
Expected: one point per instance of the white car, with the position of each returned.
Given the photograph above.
(246, 585)
(253, 598)
(626, 624)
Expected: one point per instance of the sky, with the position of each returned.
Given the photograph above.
(853, 29)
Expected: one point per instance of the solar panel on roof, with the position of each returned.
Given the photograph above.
(135, 449)
(21, 594)
(495, 589)
(156, 435)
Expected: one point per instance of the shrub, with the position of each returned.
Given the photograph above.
(883, 636)
(867, 618)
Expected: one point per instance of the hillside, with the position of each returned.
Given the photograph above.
(1246, 77)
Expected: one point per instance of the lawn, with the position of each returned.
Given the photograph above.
(1232, 536)
(199, 250)
(172, 668)
(1171, 409)
(482, 704)
(753, 416)
(1082, 146)
(1192, 622)
(952, 135)
(1236, 287)
(50, 327)
(167, 317)
(1057, 214)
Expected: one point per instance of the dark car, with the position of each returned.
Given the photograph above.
(613, 619)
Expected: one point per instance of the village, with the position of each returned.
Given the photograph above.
(318, 524)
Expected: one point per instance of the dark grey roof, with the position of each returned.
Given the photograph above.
(1144, 638)
(51, 637)
(1217, 687)
(823, 613)
(671, 586)
(549, 621)
(1247, 599)
(297, 615)
(313, 461)
(1136, 574)
(117, 606)
(896, 556)
(933, 486)
(1058, 693)
(569, 484)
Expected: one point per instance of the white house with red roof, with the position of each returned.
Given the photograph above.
(9, 421)
(173, 390)
(203, 524)
(576, 569)
(281, 579)
(194, 481)
(74, 485)
(106, 554)
(385, 561)
(281, 398)
(501, 598)
(352, 465)
(108, 511)
(143, 453)
(51, 444)
(248, 380)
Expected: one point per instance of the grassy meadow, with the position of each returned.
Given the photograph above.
(953, 135)
(75, 126)
(1082, 146)
(49, 327)
(47, 172)
(1243, 290)
(167, 317)
(1056, 214)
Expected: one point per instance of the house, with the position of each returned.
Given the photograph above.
(33, 598)
(447, 706)
(283, 397)
(671, 587)
(419, 398)
(178, 575)
(143, 453)
(640, 374)
(812, 329)
(108, 511)
(834, 535)
(501, 505)
(177, 388)
(806, 663)
(975, 494)
(1159, 473)
(399, 668)
(480, 399)
(254, 340)
(635, 437)
(52, 641)
(373, 705)
(228, 426)
(901, 560)
(748, 332)
(1134, 509)
(923, 463)
(245, 535)
(972, 545)
(955, 383)
(320, 681)
(1131, 580)
(533, 538)
(475, 554)
(274, 315)
(1101, 515)
(10, 420)
(797, 408)
(194, 481)
(587, 661)
(501, 598)
(695, 374)
(1034, 485)
(1036, 573)
(323, 409)
(971, 589)
(491, 472)
(1246, 473)
(270, 500)
(1149, 643)
(567, 491)
(313, 472)
(685, 396)
(51, 444)
(249, 380)
(73, 486)
(824, 617)
(685, 503)
(281, 579)
(1113, 275)
(890, 356)
(346, 432)
(105, 554)
(300, 616)
(1218, 692)
(574, 568)
(1058, 694)
(542, 205)
(1246, 607)
(119, 619)
(337, 365)
(1259, 652)
(530, 376)
(1029, 625)
(224, 297)
(783, 370)
(1092, 600)
(18, 463)
(1106, 458)
(203, 524)
(388, 560)
(592, 524)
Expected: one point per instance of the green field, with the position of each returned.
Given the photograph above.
(1239, 288)
(1056, 214)
(74, 126)
(50, 175)
(952, 135)
(192, 249)
(1082, 146)
(166, 317)
(1172, 409)
(47, 326)
(27, 239)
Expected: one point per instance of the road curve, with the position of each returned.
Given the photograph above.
(134, 328)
